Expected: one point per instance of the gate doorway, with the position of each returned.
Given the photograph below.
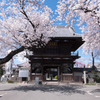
(51, 74)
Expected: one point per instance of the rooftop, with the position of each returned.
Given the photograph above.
(65, 31)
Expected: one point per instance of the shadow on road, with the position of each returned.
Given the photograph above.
(49, 88)
(96, 91)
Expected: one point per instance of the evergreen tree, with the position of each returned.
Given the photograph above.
(1, 70)
(95, 74)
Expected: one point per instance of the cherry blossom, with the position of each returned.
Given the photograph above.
(87, 15)
(24, 24)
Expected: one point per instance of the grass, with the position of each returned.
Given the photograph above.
(92, 84)
(9, 81)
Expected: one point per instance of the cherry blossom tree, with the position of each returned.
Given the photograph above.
(23, 24)
(87, 14)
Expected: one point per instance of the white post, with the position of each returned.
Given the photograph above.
(84, 77)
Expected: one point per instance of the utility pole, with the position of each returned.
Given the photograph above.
(92, 60)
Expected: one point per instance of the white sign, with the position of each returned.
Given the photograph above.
(36, 80)
(23, 73)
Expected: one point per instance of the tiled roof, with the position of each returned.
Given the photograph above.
(65, 31)
(97, 65)
(86, 69)
(26, 64)
(98, 68)
(81, 69)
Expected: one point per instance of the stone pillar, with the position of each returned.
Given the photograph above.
(84, 76)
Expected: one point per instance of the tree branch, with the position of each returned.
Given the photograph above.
(10, 55)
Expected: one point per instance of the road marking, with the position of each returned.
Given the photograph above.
(3, 94)
(89, 93)
(97, 96)
(92, 94)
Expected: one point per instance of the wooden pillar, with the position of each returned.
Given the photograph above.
(58, 74)
(42, 72)
(31, 72)
(61, 73)
(73, 70)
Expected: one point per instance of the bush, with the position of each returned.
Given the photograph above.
(56, 77)
(90, 83)
(9, 81)
(96, 78)
(95, 74)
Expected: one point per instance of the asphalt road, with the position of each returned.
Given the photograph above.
(49, 92)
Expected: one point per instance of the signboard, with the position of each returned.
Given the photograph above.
(23, 73)
(36, 80)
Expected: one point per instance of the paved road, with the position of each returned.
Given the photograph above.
(48, 92)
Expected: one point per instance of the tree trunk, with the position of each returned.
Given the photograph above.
(10, 55)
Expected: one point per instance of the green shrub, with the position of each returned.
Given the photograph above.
(90, 83)
(96, 78)
(1, 70)
(95, 74)
(56, 77)
(10, 81)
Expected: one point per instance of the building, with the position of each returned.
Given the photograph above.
(19, 73)
(24, 69)
(78, 73)
(55, 61)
